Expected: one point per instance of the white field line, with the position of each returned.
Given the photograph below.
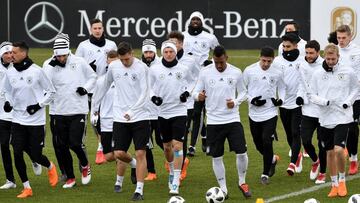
(307, 190)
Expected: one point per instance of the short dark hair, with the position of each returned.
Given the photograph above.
(296, 25)
(219, 51)
(177, 35)
(332, 38)
(267, 51)
(313, 44)
(124, 48)
(344, 28)
(95, 20)
(22, 46)
(112, 54)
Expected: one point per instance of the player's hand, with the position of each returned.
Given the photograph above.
(32, 109)
(299, 101)
(202, 96)
(94, 118)
(257, 101)
(276, 102)
(156, 100)
(81, 91)
(127, 117)
(184, 96)
(7, 107)
(230, 103)
(93, 66)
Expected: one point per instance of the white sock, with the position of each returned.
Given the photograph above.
(133, 163)
(119, 180)
(139, 187)
(274, 159)
(353, 157)
(171, 166)
(100, 147)
(219, 171)
(342, 177)
(176, 180)
(26, 184)
(334, 181)
(242, 165)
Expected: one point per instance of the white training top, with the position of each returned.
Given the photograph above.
(291, 79)
(301, 46)
(338, 87)
(28, 87)
(153, 109)
(131, 91)
(169, 84)
(199, 45)
(3, 115)
(267, 84)
(220, 86)
(66, 80)
(306, 71)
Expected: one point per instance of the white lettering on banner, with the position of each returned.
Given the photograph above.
(251, 24)
(126, 26)
(109, 26)
(138, 27)
(283, 23)
(229, 24)
(264, 28)
(177, 20)
(85, 17)
(155, 26)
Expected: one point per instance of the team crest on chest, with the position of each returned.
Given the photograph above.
(178, 75)
(211, 82)
(230, 81)
(133, 77)
(341, 76)
(72, 66)
(325, 77)
(117, 77)
(162, 76)
(29, 80)
(203, 45)
(272, 80)
(90, 53)
(13, 81)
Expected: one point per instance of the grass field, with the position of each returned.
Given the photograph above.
(200, 175)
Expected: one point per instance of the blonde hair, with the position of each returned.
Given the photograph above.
(331, 49)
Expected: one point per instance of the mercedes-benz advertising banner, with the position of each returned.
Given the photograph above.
(237, 24)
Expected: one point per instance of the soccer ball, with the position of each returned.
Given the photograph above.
(215, 195)
(355, 198)
(176, 199)
(312, 200)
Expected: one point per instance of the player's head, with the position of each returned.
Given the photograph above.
(61, 47)
(220, 58)
(178, 38)
(96, 28)
(292, 27)
(312, 51)
(125, 53)
(6, 52)
(111, 56)
(343, 35)
(196, 19)
(289, 41)
(266, 57)
(168, 50)
(331, 55)
(148, 51)
(19, 52)
(332, 38)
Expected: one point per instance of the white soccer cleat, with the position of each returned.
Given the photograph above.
(174, 189)
(36, 168)
(85, 175)
(290, 153)
(8, 185)
(314, 170)
(69, 183)
(298, 164)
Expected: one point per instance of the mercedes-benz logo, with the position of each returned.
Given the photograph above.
(44, 22)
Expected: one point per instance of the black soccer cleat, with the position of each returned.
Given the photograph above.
(137, 197)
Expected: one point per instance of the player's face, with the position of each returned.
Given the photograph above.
(288, 46)
(7, 57)
(97, 30)
(62, 58)
(331, 59)
(169, 54)
(290, 28)
(149, 55)
(178, 43)
(343, 38)
(220, 62)
(18, 55)
(265, 62)
(109, 60)
(195, 22)
(127, 59)
(311, 55)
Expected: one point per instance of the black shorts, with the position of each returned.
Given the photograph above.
(27, 137)
(216, 135)
(70, 129)
(336, 136)
(5, 131)
(356, 111)
(107, 142)
(172, 128)
(123, 133)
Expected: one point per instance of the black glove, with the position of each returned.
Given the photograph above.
(7, 107)
(207, 62)
(276, 102)
(32, 109)
(81, 91)
(184, 96)
(257, 101)
(156, 100)
(299, 101)
(93, 66)
(345, 106)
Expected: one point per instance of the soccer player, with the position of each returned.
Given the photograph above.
(71, 77)
(336, 85)
(131, 117)
(350, 56)
(149, 57)
(310, 112)
(94, 51)
(293, 27)
(290, 112)
(198, 43)
(222, 87)
(168, 83)
(263, 83)
(27, 90)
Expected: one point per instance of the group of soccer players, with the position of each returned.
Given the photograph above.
(131, 99)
